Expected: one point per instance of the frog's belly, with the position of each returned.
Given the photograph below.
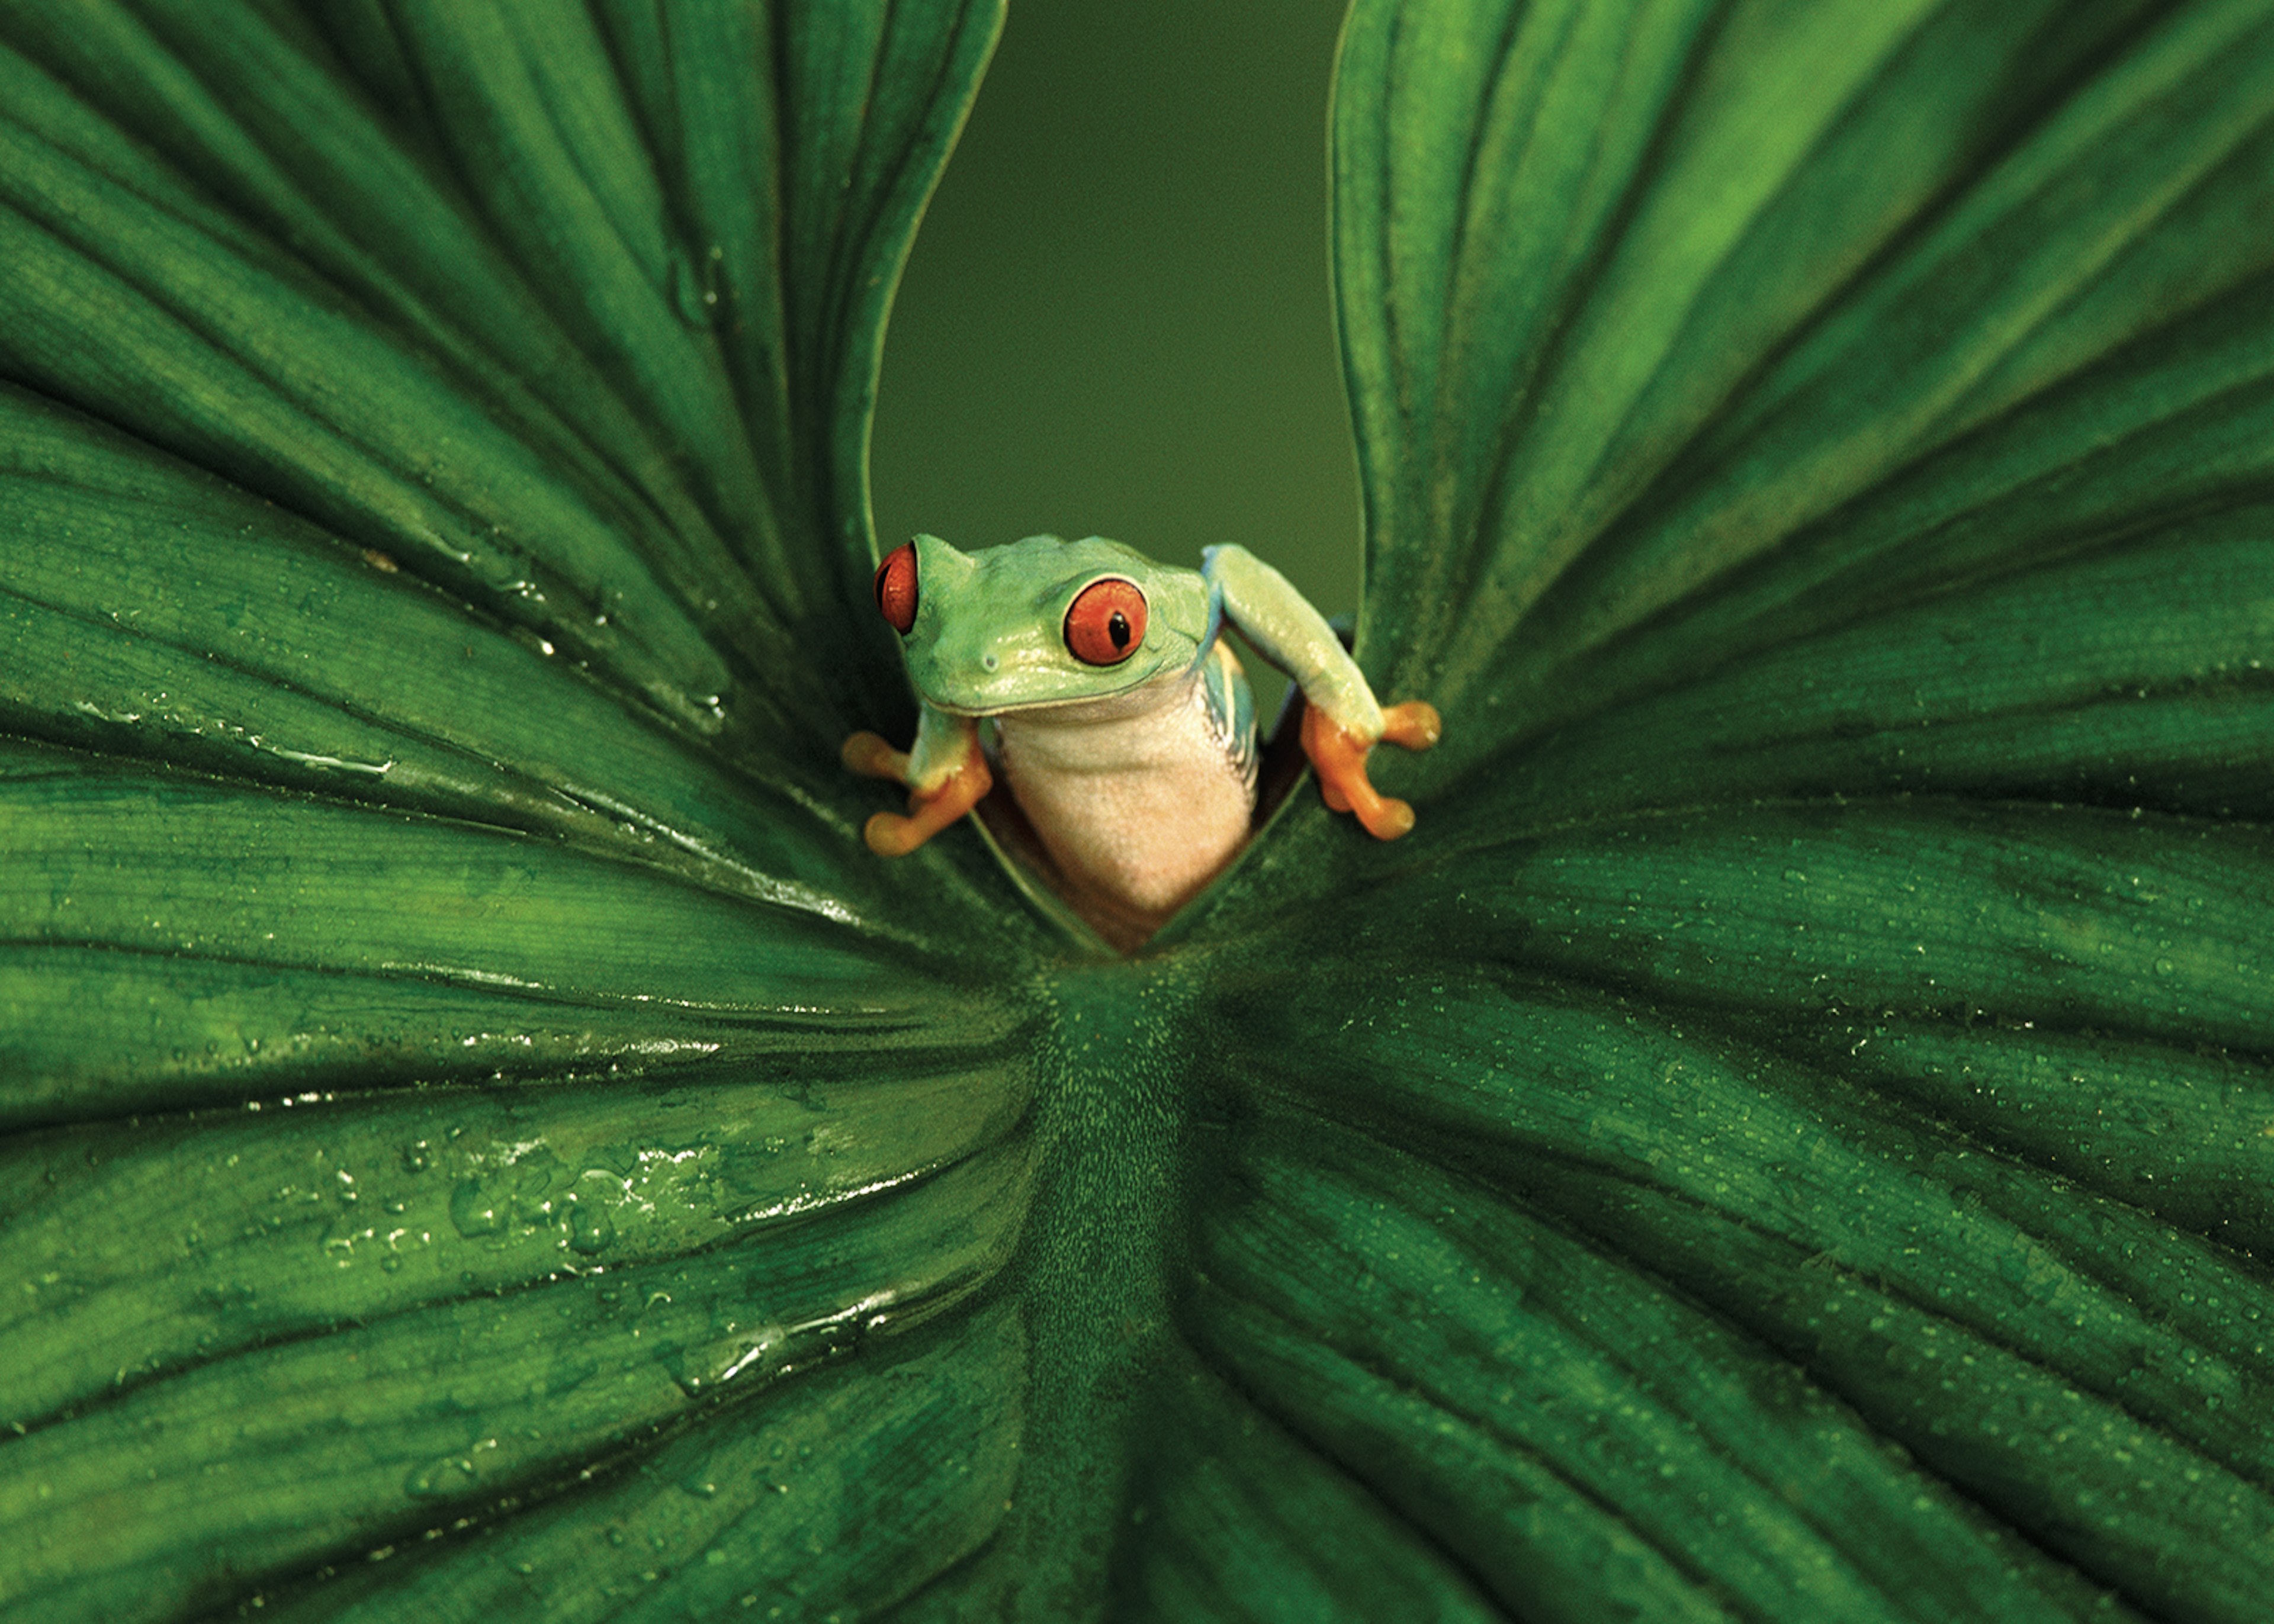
(1143, 809)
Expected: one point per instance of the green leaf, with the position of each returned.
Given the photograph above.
(431, 437)
(1838, 308)
(1786, 1137)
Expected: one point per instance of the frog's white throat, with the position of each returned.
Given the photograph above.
(1139, 797)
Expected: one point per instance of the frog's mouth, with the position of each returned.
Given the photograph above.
(1158, 674)
(1024, 680)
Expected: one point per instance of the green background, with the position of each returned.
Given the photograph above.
(1116, 320)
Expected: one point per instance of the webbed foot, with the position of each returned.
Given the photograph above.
(888, 833)
(1339, 756)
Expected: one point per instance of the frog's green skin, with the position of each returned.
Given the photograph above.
(1139, 778)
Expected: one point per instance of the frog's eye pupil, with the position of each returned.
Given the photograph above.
(1106, 624)
(896, 588)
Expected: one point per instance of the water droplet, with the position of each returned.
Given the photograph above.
(591, 1229)
(691, 292)
(756, 1352)
(475, 1210)
(452, 1474)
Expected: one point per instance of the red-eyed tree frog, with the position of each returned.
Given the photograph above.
(1124, 723)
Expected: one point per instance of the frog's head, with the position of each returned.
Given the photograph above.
(1042, 621)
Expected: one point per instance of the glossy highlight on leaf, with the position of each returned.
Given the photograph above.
(1786, 1137)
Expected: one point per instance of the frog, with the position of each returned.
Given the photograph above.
(1123, 720)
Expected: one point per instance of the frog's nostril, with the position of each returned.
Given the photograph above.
(987, 662)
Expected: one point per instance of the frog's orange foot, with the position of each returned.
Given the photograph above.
(1339, 757)
(890, 835)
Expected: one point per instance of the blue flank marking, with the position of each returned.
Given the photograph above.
(1215, 628)
(1224, 688)
(1231, 710)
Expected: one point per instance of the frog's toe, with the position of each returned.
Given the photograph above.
(890, 835)
(1385, 818)
(872, 757)
(1415, 725)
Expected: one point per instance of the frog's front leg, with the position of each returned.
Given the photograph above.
(946, 772)
(1344, 722)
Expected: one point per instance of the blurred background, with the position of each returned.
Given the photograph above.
(1116, 321)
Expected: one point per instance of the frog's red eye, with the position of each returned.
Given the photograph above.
(1106, 623)
(896, 588)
